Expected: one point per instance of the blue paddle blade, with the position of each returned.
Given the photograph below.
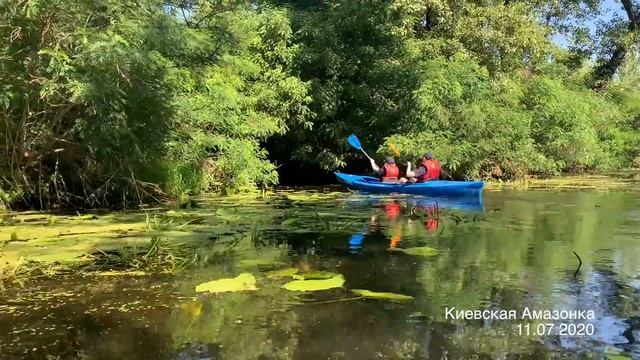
(356, 241)
(353, 141)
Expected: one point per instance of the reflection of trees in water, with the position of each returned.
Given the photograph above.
(237, 326)
(107, 319)
(360, 330)
(523, 257)
(616, 305)
(103, 336)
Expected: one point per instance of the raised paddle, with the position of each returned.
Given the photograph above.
(353, 141)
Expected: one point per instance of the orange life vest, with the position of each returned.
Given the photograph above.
(391, 172)
(432, 170)
(395, 240)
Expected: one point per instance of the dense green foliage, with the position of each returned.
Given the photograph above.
(104, 102)
(480, 85)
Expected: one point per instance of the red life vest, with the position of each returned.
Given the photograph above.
(432, 168)
(392, 210)
(391, 172)
(431, 225)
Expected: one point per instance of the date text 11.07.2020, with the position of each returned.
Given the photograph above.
(560, 329)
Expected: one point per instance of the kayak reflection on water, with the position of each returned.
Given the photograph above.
(433, 217)
(392, 210)
(427, 211)
(373, 229)
(394, 203)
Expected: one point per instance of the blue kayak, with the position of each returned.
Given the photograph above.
(432, 188)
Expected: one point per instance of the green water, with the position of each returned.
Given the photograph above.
(513, 251)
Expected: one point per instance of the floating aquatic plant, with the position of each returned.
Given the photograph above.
(380, 295)
(51, 220)
(315, 285)
(242, 282)
(315, 275)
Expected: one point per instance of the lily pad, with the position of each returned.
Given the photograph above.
(315, 285)
(316, 275)
(282, 273)
(420, 251)
(242, 282)
(380, 295)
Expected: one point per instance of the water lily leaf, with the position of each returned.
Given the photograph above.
(315, 285)
(282, 273)
(380, 295)
(242, 282)
(316, 275)
(420, 251)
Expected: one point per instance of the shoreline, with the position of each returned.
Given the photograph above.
(627, 179)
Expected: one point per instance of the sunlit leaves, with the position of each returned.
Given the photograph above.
(503, 38)
(233, 102)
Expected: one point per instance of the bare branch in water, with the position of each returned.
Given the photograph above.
(579, 265)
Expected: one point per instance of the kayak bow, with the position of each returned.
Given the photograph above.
(432, 188)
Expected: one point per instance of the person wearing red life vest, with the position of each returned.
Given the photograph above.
(389, 172)
(429, 169)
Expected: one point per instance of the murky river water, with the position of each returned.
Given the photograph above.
(513, 251)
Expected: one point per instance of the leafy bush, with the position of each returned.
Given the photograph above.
(480, 127)
(103, 102)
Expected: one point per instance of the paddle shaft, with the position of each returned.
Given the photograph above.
(365, 154)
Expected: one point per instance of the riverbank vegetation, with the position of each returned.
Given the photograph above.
(105, 103)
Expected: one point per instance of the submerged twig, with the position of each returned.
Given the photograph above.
(579, 265)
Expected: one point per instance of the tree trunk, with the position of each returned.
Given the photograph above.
(607, 68)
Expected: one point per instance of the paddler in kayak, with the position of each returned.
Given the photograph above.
(389, 172)
(429, 169)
